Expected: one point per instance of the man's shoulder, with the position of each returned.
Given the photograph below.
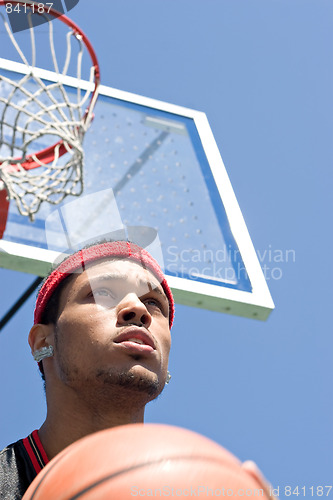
(15, 471)
(9, 449)
(9, 455)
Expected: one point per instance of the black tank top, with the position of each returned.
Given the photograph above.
(20, 463)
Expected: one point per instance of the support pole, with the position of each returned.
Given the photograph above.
(20, 302)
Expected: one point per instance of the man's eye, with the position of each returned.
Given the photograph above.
(102, 291)
(103, 296)
(152, 302)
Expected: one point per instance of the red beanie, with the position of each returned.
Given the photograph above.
(79, 260)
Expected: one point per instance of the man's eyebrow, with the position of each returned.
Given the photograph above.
(106, 277)
(159, 290)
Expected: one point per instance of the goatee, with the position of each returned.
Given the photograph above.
(132, 382)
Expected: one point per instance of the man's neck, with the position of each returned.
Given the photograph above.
(68, 422)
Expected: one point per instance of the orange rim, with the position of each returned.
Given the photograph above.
(47, 155)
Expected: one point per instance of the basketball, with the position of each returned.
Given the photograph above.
(140, 460)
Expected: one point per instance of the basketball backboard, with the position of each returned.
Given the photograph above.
(153, 165)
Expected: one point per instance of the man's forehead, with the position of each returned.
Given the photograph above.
(121, 270)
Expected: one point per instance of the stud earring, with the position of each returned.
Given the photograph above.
(168, 377)
(44, 352)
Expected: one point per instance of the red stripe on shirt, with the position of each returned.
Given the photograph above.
(40, 447)
(32, 455)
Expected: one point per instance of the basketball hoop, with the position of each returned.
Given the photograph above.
(49, 115)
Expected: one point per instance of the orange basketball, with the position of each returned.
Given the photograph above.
(143, 460)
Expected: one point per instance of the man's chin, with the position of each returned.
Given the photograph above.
(131, 381)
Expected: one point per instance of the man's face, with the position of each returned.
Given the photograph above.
(113, 329)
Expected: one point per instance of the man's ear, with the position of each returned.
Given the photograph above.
(40, 336)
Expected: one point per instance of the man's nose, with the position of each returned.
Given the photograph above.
(132, 310)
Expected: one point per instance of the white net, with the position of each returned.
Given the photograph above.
(42, 126)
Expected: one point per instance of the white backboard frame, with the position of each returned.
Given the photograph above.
(256, 304)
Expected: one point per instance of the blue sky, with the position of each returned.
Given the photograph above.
(262, 72)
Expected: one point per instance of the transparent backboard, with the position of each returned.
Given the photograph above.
(154, 166)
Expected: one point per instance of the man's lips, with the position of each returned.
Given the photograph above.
(137, 339)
